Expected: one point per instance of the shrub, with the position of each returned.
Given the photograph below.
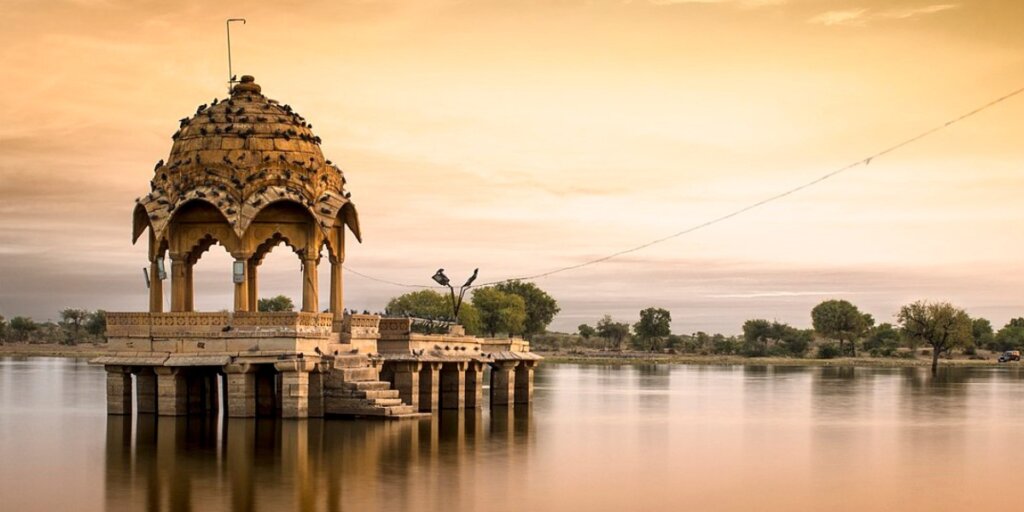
(828, 351)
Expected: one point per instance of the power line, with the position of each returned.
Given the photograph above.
(862, 162)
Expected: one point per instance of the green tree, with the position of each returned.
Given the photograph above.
(654, 325)
(96, 324)
(882, 340)
(614, 332)
(3, 329)
(541, 308)
(71, 321)
(841, 321)
(499, 311)
(434, 307)
(982, 333)
(757, 334)
(22, 327)
(1015, 322)
(273, 304)
(938, 324)
(1010, 337)
(586, 331)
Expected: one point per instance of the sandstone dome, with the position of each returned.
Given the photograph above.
(239, 155)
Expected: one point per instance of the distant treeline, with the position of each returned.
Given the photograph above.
(75, 326)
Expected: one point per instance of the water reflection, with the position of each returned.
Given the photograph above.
(197, 463)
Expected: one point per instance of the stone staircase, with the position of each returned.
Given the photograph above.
(353, 387)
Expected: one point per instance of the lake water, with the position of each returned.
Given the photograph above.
(597, 438)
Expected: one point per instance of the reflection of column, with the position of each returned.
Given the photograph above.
(254, 298)
(337, 291)
(294, 388)
(190, 293)
(239, 446)
(309, 284)
(172, 391)
(429, 384)
(178, 265)
(145, 391)
(474, 384)
(524, 382)
(502, 382)
(241, 390)
(118, 463)
(156, 289)
(453, 385)
(241, 284)
(119, 389)
(406, 379)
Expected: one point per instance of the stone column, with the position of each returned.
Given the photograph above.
(242, 287)
(254, 298)
(241, 390)
(294, 388)
(453, 385)
(474, 384)
(309, 284)
(316, 392)
(119, 389)
(337, 291)
(156, 289)
(190, 292)
(178, 285)
(430, 377)
(172, 391)
(406, 379)
(145, 391)
(503, 382)
(524, 382)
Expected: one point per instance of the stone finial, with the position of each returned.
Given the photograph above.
(247, 85)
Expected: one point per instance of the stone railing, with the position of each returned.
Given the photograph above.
(395, 326)
(361, 327)
(215, 324)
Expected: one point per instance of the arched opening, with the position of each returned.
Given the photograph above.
(280, 272)
(212, 288)
(196, 227)
(271, 270)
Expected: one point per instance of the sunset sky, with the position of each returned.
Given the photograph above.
(519, 137)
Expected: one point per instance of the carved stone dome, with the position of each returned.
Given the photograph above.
(241, 154)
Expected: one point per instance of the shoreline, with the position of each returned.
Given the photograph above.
(640, 358)
(85, 350)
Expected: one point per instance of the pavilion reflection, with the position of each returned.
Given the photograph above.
(196, 463)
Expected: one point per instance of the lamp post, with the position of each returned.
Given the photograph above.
(440, 278)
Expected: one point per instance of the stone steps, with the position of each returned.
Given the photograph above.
(353, 388)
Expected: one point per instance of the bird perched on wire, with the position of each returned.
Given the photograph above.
(471, 278)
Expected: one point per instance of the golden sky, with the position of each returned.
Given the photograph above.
(524, 136)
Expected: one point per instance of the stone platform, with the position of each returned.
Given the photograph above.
(304, 364)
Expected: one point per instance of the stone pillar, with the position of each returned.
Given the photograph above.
(119, 389)
(337, 291)
(294, 388)
(156, 289)
(172, 391)
(453, 385)
(254, 297)
(405, 377)
(241, 287)
(503, 382)
(266, 392)
(430, 377)
(316, 392)
(190, 292)
(241, 390)
(178, 285)
(524, 382)
(474, 384)
(309, 284)
(145, 391)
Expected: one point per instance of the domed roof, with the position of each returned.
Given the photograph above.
(239, 155)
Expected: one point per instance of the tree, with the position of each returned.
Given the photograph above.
(71, 320)
(882, 340)
(654, 324)
(274, 304)
(434, 307)
(1010, 337)
(1015, 322)
(3, 329)
(541, 308)
(499, 311)
(757, 333)
(614, 332)
(841, 321)
(586, 331)
(938, 324)
(21, 327)
(982, 333)
(96, 324)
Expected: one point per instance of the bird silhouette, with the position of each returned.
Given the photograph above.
(318, 351)
(226, 328)
(472, 277)
(158, 165)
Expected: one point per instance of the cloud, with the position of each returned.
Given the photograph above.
(860, 17)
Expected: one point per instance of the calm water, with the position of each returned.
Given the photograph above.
(597, 438)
